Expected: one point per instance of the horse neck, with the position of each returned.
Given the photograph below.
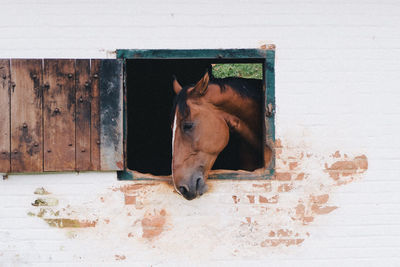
(245, 109)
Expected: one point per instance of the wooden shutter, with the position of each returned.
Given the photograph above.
(5, 130)
(61, 115)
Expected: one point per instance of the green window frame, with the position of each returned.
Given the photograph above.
(265, 56)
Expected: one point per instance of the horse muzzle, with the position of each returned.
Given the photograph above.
(192, 187)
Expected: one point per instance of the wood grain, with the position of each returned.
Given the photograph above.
(59, 114)
(26, 115)
(95, 115)
(83, 117)
(5, 142)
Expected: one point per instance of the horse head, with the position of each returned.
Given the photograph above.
(200, 133)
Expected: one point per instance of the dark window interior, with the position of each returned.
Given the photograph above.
(149, 103)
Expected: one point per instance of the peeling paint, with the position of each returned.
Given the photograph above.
(41, 191)
(70, 223)
(151, 215)
(45, 202)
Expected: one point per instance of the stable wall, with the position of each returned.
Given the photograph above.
(334, 200)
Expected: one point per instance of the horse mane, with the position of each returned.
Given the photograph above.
(246, 88)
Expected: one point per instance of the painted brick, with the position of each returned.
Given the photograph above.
(337, 93)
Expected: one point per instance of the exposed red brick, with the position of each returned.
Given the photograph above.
(251, 198)
(300, 176)
(307, 219)
(347, 168)
(130, 200)
(271, 200)
(271, 234)
(278, 143)
(278, 153)
(285, 187)
(362, 162)
(322, 210)
(153, 225)
(132, 187)
(300, 209)
(235, 199)
(321, 199)
(293, 165)
(266, 186)
(283, 176)
(284, 233)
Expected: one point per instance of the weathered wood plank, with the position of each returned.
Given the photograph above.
(111, 115)
(95, 114)
(59, 114)
(83, 116)
(26, 115)
(5, 135)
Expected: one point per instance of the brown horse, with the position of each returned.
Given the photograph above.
(204, 116)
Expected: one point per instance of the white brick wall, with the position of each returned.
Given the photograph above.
(337, 89)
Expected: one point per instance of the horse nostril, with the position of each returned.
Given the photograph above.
(198, 181)
(183, 189)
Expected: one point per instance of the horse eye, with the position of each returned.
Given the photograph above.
(187, 126)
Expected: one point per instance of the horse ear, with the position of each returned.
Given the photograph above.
(202, 85)
(175, 85)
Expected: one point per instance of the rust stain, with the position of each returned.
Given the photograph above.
(153, 224)
(235, 199)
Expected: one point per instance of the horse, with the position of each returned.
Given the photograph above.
(204, 116)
